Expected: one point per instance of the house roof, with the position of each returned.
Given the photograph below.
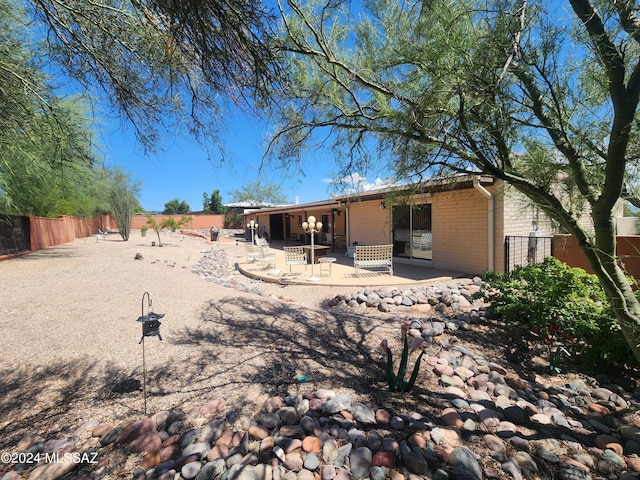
(431, 186)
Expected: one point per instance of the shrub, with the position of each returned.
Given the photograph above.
(169, 223)
(564, 305)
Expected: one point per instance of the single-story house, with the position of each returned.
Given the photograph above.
(458, 224)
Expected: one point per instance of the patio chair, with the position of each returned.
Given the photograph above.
(263, 253)
(422, 242)
(251, 254)
(295, 256)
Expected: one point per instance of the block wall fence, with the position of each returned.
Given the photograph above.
(198, 221)
(48, 232)
(566, 250)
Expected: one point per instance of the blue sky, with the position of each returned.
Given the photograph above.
(184, 171)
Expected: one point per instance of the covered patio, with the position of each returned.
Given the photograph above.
(339, 272)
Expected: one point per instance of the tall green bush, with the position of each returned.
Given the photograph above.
(564, 305)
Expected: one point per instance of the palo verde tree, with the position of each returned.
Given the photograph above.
(47, 162)
(162, 65)
(541, 95)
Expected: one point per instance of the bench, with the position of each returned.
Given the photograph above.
(373, 256)
(422, 241)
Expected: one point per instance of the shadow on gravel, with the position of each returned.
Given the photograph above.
(271, 345)
(242, 349)
(41, 399)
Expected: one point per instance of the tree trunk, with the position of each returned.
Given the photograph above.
(604, 262)
(625, 306)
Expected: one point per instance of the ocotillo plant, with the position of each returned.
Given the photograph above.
(396, 382)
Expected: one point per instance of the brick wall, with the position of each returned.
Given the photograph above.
(520, 215)
(459, 225)
(628, 225)
(368, 224)
(47, 232)
(460, 231)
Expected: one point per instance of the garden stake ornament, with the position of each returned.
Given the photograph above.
(150, 328)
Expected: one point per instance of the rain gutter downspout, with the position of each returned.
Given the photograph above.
(491, 220)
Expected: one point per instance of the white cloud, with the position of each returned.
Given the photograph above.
(356, 183)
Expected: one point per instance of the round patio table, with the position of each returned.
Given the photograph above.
(325, 265)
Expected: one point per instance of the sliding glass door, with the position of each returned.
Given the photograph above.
(412, 236)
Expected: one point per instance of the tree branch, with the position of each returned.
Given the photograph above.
(516, 43)
(558, 136)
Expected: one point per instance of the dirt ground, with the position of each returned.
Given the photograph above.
(70, 352)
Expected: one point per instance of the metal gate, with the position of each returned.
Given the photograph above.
(15, 234)
(526, 250)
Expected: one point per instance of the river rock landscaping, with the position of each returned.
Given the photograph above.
(474, 412)
(493, 424)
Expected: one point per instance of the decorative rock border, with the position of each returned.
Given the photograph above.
(442, 298)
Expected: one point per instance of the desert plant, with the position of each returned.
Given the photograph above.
(233, 220)
(396, 383)
(169, 223)
(561, 303)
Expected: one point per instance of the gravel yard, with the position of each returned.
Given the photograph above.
(69, 344)
(71, 369)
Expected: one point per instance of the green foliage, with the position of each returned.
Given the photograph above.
(233, 220)
(168, 223)
(175, 206)
(505, 88)
(561, 304)
(396, 383)
(163, 65)
(554, 358)
(259, 193)
(122, 191)
(213, 203)
(48, 166)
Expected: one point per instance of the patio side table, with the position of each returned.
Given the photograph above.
(325, 265)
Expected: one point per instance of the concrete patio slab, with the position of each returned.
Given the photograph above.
(342, 272)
